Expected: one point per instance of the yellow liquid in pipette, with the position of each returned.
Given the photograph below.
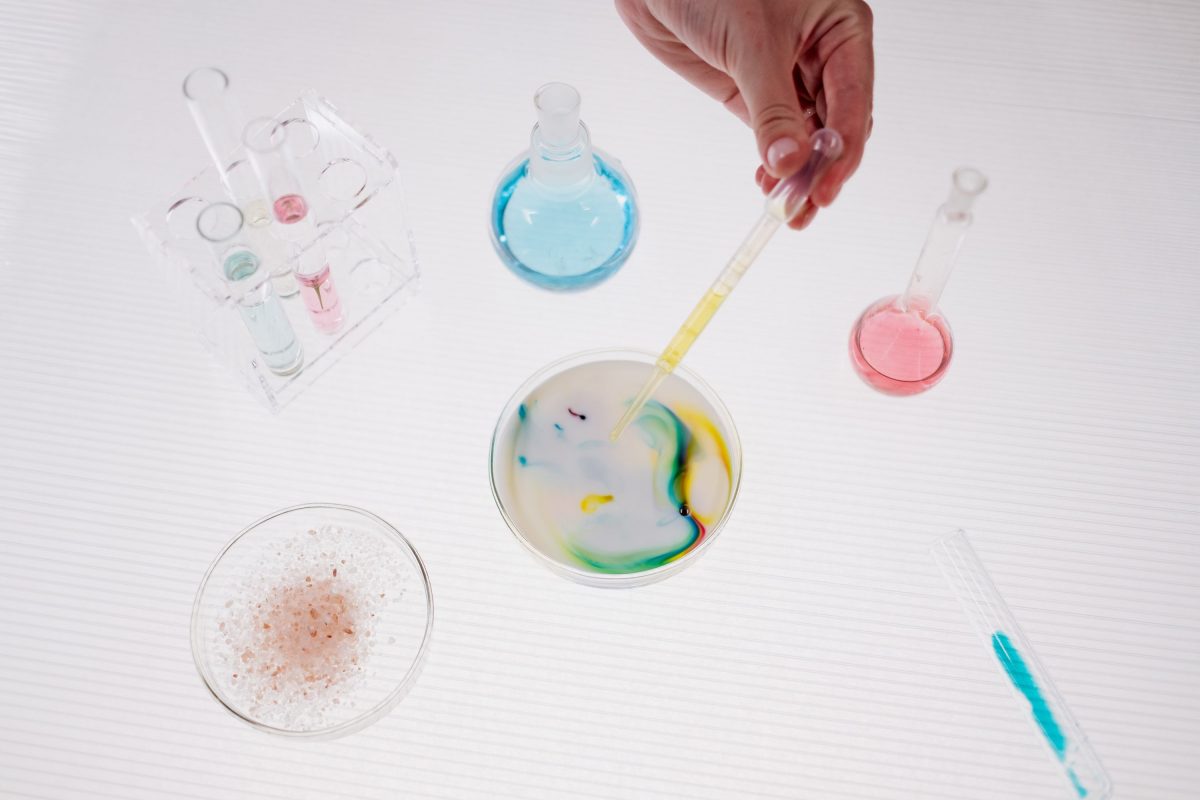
(691, 329)
(696, 322)
(785, 201)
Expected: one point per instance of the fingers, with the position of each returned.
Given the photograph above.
(804, 218)
(666, 46)
(847, 83)
(786, 73)
(807, 211)
(763, 73)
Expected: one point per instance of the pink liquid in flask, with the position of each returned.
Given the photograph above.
(290, 209)
(322, 300)
(900, 352)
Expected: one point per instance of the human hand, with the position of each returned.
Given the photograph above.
(785, 67)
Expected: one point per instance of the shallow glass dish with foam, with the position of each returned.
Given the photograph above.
(614, 513)
(313, 621)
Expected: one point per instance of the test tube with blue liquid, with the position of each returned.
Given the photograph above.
(215, 112)
(223, 226)
(271, 155)
(1013, 653)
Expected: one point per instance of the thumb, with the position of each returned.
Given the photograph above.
(765, 82)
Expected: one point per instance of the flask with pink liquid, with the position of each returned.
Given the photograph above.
(901, 345)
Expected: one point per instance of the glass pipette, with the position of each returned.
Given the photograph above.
(784, 202)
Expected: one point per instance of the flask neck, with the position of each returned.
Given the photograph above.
(937, 259)
(943, 242)
(561, 161)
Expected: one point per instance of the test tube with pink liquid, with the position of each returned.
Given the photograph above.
(901, 344)
(267, 143)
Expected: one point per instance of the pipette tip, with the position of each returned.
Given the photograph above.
(631, 413)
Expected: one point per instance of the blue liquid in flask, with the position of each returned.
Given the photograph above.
(565, 217)
(264, 316)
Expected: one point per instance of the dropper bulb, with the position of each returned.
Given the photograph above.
(787, 199)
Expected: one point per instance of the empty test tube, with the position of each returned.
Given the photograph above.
(215, 111)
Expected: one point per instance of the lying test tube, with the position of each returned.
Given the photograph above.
(1014, 654)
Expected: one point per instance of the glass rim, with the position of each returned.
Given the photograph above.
(371, 715)
(275, 130)
(620, 579)
(204, 71)
(235, 226)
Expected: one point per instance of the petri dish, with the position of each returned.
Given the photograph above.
(614, 515)
(313, 622)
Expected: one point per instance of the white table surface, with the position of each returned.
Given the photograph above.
(813, 651)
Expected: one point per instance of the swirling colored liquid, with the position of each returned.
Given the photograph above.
(613, 507)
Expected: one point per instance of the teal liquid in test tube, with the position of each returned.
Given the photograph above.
(221, 225)
(264, 316)
(997, 628)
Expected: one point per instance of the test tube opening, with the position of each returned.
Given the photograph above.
(205, 84)
(214, 110)
(220, 222)
(966, 185)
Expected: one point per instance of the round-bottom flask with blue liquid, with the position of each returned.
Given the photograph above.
(564, 216)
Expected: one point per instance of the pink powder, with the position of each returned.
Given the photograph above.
(297, 635)
(306, 634)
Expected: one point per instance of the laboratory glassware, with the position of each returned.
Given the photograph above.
(564, 214)
(267, 142)
(313, 622)
(222, 225)
(783, 203)
(360, 209)
(1032, 687)
(513, 507)
(218, 118)
(901, 344)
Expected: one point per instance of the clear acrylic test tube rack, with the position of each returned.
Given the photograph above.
(357, 204)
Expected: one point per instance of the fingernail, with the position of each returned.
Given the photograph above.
(780, 150)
